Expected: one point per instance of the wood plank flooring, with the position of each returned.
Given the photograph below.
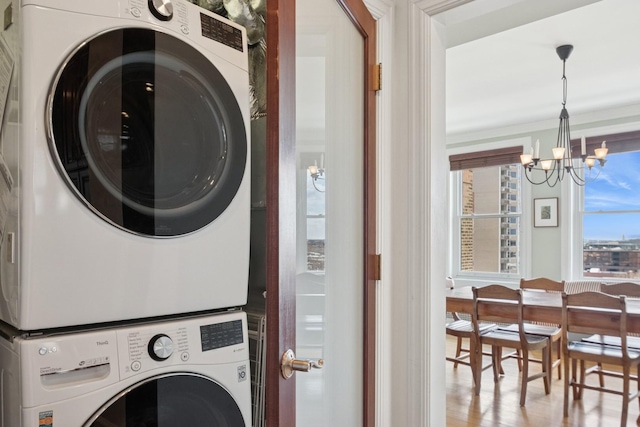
(498, 404)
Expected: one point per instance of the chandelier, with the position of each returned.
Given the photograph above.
(562, 163)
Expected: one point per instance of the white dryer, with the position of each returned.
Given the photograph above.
(126, 190)
(184, 373)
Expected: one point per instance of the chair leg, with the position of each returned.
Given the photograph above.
(519, 358)
(476, 354)
(600, 374)
(525, 376)
(559, 353)
(458, 351)
(547, 357)
(574, 382)
(625, 394)
(638, 383)
(496, 354)
(566, 387)
(582, 375)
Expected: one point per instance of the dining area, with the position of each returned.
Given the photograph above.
(545, 353)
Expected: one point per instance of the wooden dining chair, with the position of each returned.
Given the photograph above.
(631, 290)
(507, 304)
(548, 330)
(576, 311)
(462, 329)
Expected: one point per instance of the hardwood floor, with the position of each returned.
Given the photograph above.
(498, 404)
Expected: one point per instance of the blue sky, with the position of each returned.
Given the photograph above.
(617, 188)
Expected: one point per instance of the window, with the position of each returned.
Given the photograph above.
(610, 214)
(315, 224)
(487, 217)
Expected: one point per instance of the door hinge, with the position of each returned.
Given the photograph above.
(375, 271)
(376, 74)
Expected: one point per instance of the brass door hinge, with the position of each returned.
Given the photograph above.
(376, 77)
(375, 270)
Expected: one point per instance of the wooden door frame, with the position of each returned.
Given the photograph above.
(280, 211)
(281, 205)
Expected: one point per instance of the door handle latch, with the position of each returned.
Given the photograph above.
(289, 364)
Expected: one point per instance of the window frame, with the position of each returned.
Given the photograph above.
(573, 266)
(476, 278)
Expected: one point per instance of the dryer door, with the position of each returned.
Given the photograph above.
(147, 132)
(174, 400)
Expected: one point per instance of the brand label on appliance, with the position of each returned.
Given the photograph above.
(221, 32)
(242, 373)
(45, 419)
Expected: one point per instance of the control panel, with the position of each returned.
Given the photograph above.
(219, 338)
(80, 362)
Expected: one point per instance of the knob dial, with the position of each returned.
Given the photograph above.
(160, 347)
(161, 9)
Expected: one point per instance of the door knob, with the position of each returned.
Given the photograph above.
(289, 363)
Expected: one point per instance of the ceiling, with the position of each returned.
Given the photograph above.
(503, 71)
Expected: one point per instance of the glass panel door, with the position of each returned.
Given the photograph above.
(330, 212)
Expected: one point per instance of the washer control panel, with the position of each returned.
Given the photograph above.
(81, 362)
(218, 338)
(150, 347)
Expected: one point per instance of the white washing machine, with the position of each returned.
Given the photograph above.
(125, 189)
(192, 372)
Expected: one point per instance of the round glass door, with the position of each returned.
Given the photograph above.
(147, 132)
(176, 400)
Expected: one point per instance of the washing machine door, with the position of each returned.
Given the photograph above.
(174, 400)
(147, 132)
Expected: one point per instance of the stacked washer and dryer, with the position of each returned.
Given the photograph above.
(124, 215)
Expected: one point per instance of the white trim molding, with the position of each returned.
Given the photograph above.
(433, 7)
(383, 12)
(427, 219)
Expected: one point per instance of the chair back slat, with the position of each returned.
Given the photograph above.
(496, 292)
(506, 305)
(629, 289)
(594, 300)
(543, 284)
(582, 313)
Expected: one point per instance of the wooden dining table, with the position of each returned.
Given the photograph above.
(540, 306)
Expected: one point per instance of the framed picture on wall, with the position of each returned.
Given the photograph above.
(545, 212)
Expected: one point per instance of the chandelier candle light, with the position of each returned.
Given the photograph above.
(317, 173)
(562, 163)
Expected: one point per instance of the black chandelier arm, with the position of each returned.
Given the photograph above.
(556, 172)
(313, 182)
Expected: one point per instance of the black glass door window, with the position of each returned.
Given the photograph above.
(178, 400)
(147, 132)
